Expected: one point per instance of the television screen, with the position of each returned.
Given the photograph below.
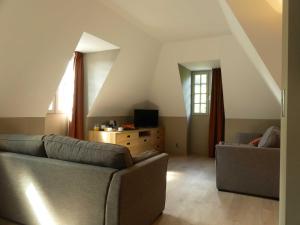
(145, 118)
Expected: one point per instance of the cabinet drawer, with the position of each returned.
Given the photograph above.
(123, 137)
(156, 139)
(159, 147)
(128, 143)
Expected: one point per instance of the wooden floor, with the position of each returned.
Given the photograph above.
(192, 198)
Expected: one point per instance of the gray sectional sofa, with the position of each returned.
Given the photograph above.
(70, 182)
(247, 169)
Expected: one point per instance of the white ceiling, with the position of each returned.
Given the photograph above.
(170, 20)
(89, 43)
(204, 65)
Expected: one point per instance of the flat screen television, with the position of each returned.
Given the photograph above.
(145, 118)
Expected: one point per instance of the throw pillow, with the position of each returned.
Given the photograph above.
(271, 138)
(255, 141)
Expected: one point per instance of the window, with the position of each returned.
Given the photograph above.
(63, 99)
(200, 92)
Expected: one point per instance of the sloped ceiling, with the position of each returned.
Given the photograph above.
(258, 28)
(169, 20)
(37, 40)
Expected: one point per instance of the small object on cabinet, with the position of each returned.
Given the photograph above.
(128, 126)
(96, 127)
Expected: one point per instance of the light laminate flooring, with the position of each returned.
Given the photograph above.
(192, 198)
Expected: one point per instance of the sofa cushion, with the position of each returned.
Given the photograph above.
(100, 154)
(271, 138)
(24, 144)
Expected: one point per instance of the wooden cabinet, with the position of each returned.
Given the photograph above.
(136, 141)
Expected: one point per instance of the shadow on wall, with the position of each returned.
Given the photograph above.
(142, 105)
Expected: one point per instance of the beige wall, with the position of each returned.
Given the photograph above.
(51, 124)
(56, 124)
(23, 125)
(233, 126)
(199, 134)
(176, 137)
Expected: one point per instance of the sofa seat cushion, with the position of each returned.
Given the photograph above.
(100, 154)
(271, 138)
(23, 144)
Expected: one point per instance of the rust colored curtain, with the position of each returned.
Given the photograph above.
(76, 125)
(217, 113)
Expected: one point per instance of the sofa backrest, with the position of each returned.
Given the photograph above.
(245, 138)
(100, 154)
(24, 144)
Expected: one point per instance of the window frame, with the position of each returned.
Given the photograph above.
(208, 94)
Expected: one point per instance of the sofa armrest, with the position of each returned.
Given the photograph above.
(248, 169)
(245, 138)
(137, 195)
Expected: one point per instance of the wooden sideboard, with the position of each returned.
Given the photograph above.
(136, 141)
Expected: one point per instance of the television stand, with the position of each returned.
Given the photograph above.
(137, 141)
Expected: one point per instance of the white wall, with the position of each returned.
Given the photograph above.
(96, 69)
(246, 94)
(37, 40)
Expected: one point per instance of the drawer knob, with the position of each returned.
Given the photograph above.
(128, 136)
(128, 143)
(145, 140)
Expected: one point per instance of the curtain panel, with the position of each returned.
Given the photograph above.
(217, 112)
(76, 129)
